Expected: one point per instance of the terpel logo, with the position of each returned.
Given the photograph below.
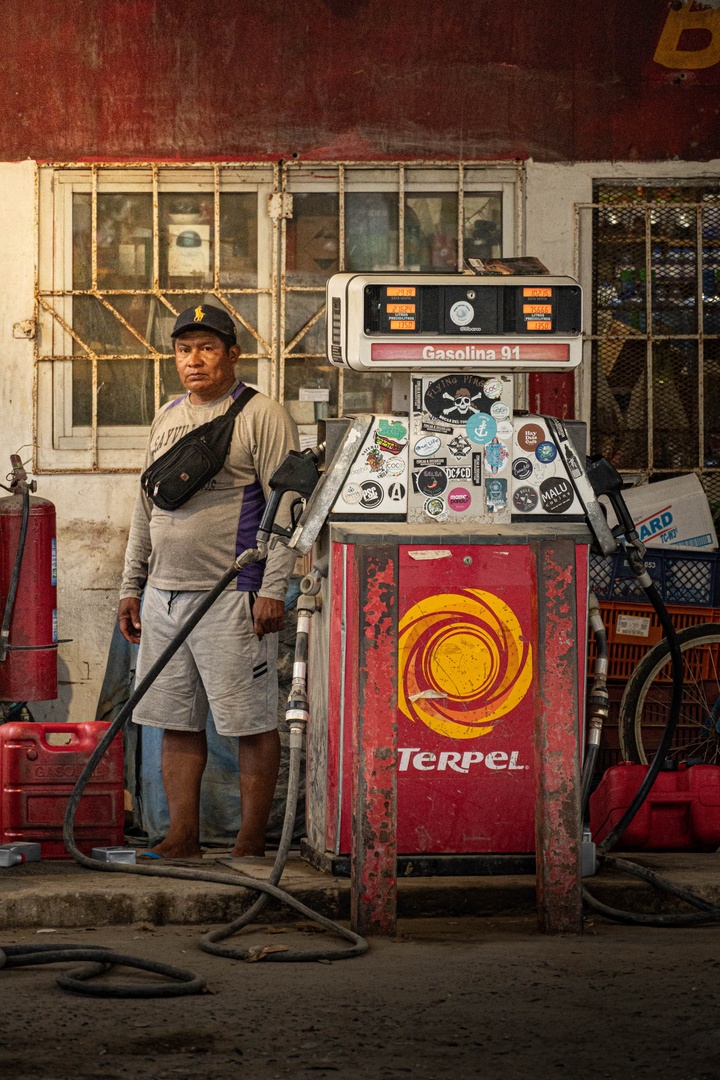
(427, 761)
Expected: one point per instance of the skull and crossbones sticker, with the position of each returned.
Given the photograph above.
(455, 398)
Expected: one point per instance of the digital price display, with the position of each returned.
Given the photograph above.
(471, 309)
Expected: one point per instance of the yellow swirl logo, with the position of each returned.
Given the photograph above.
(463, 663)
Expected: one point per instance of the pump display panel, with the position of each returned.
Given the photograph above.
(398, 321)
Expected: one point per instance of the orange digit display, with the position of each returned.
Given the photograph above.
(401, 290)
(537, 309)
(537, 292)
(538, 325)
(404, 325)
(399, 309)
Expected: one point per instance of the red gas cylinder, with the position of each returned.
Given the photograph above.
(29, 670)
(39, 765)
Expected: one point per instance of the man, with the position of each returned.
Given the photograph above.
(229, 661)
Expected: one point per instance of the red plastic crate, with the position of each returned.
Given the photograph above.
(37, 777)
(627, 650)
(681, 813)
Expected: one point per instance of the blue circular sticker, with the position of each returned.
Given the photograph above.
(481, 428)
(546, 452)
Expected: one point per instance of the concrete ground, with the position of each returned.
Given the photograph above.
(466, 997)
(63, 894)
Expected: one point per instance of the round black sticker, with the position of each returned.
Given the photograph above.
(525, 499)
(455, 398)
(396, 491)
(432, 480)
(522, 468)
(556, 494)
(372, 495)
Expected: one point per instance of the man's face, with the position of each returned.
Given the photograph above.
(205, 364)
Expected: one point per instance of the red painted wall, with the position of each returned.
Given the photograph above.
(349, 78)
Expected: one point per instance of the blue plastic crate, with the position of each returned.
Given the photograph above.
(691, 578)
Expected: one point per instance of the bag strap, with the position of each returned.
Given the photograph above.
(240, 402)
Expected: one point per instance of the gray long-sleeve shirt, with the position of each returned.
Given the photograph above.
(191, 547)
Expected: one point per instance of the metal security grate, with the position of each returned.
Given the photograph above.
(655, 326)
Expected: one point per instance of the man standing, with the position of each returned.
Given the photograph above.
(229, 661)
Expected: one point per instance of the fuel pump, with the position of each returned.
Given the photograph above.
(456, 532)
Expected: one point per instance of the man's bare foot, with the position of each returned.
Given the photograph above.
(175, 849)
(244, 850)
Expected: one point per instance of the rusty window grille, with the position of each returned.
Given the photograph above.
(654, 332)
(350, 216)
(123, 248)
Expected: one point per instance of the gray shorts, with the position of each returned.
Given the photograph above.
(221, 666)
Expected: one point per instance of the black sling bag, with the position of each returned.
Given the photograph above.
(193, 460)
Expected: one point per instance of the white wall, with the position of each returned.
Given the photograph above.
(94, 511)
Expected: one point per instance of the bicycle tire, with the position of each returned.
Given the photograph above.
(646, 692)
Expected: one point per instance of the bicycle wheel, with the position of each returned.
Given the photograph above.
(646, 702)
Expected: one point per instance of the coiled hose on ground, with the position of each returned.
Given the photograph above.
(183, 982)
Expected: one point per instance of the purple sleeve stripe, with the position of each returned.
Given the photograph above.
(177, 401)
(251, 512)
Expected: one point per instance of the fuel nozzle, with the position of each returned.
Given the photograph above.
(297, 473)
(606, 480)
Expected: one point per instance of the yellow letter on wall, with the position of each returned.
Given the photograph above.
(667, 52)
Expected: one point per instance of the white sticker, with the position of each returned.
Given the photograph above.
(426, 556)
(499, 410)
(633, 626)
(314, 393)
(427, 446)
(462, 313)
(492, 389)
(352, 494)
(504, 429)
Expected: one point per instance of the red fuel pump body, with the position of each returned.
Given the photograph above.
(29, 671)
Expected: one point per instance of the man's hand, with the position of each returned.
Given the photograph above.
(268, 616)
(129, 619)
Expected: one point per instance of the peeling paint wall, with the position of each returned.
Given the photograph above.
(556, 81)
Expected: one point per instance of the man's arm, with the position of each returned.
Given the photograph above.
(137, 557)
(273, 433)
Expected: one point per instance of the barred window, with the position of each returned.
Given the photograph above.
(123, 249)
(656, 328)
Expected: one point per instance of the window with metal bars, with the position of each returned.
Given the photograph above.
(122, 249)
(656, 328)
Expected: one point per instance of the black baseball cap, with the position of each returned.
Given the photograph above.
(205, 317)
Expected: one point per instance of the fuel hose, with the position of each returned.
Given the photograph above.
(181, 982)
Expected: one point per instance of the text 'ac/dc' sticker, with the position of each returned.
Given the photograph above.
(481, 428)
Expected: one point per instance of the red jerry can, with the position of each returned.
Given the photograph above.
(681, 812)
(37, 777)
(29, 671)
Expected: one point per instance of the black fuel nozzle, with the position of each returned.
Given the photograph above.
(298, 473)
(606, 480)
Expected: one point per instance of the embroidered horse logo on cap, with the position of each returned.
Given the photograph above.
(199, 314)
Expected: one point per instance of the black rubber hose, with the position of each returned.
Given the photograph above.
(669, 733)
(102, 959)
(359, 944)
(12, 590)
